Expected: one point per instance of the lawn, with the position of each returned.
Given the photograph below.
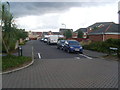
(10, 61)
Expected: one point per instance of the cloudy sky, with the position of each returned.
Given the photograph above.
(46, 16)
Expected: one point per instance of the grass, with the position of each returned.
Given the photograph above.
(11, 61)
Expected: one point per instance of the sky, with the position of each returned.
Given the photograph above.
(50, 16)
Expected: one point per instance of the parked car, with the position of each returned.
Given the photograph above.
(61, 44)
(52, 39)
(72, 46)
(45, 40)
(42, 39)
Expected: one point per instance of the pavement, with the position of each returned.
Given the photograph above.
(58, 69)
(63, 73)
(94, 54)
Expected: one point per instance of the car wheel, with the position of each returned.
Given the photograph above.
(68, 51)
(81, 52)
(63, 49)
(60, 48)
(49, 43)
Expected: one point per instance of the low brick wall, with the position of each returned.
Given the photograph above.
(100, 37)
(79, 39)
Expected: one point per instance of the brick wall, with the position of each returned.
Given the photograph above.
(96, 37)
(112, 36)
(100, 37)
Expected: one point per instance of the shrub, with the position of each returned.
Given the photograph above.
(103, 46)
(11, 61)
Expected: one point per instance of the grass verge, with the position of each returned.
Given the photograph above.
(10, 62)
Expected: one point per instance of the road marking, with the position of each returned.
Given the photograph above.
(39, 55)
(85, 56)
(77, 57)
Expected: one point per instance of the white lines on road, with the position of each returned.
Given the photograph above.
(85, 56)
(77, 57)
(39, 55)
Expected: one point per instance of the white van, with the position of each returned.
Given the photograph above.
(52, 39)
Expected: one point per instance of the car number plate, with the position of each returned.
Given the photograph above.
(76, 49)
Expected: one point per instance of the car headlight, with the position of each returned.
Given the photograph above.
(80, 47)
(71, 47)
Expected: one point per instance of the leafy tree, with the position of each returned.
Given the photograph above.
(6, 22)
(21, 33)
(80, 34)
(10, 33)
(68, 34)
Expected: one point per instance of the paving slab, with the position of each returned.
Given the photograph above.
(94, 54)
(63, 73)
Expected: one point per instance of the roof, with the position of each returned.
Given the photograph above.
(98, 24)
(64, 29)
(45, 33)
(57, 33)
(107, 29)
(82, 29)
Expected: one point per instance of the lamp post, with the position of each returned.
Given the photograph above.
(64, 24)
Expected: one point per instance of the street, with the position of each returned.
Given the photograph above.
(54, 68)
(51, 52)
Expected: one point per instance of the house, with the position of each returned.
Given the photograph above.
(56, 33)
(50, 33)
(34, 35)
(84, 30)
(74, 34)
(97, 26)
(62, 30)
(105, 32)
(53, 33)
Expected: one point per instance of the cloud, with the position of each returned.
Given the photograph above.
(39, 8)
(20, 9)
(46, 16)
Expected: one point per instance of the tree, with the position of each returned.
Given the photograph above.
(80, 34)
(10, 33)
(68, 34)
(6, 23)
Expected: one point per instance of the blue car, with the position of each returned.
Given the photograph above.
(73, 46)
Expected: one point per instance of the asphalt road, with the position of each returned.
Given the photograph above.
(44, 51)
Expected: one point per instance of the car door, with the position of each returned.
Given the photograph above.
(66, 46)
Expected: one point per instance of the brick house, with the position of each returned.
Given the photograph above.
(62, 30)
(50, 33)
(53, 33)
(34, 35)
(105, 32)
(97, 26)
(74, 35)
(84, 30)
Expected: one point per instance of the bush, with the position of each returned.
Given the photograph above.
(11, 61)
(103, 46)
(23, 43)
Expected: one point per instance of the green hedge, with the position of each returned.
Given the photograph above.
(103, 46)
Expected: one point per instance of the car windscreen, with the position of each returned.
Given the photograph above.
(73, 43)
(62, 41)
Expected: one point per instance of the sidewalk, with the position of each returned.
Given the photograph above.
(26, 49)
(94, 54)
